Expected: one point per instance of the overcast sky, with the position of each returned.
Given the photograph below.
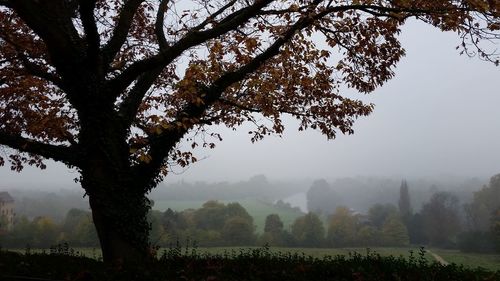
(440, 115)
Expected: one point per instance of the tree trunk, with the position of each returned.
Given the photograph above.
(122, 229)
(117, 199)
(119, 210)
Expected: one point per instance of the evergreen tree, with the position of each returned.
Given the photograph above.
(404, 200)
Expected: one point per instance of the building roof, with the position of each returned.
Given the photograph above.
(5, 197)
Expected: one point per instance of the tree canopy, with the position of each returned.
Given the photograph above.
(111, 87)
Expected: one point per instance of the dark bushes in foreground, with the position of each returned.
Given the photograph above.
(250, 264)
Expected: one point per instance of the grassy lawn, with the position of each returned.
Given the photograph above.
(258, 209)
(488, 261)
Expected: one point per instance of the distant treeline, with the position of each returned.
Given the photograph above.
(441, 220)
(256, 187)
(53, 204)
(360, 193)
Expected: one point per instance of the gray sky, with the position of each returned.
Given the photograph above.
(439, 116)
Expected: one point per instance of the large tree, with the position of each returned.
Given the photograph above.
(485, 203)
(111, 87)
(441, 222)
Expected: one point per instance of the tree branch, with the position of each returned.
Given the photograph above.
(32, 68)
(160, 19)
(130, 104)
(161, 145)
(39, 72)
(51, 20)
(62, 153)
(89, 25)
(121, 30)
(191, 39)
(212, 17)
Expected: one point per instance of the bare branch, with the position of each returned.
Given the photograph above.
(212, 17)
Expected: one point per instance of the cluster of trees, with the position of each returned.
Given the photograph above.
(77, 229)
(45, 202)
(214, 224)
(344, 228)
(482, 219)
(360, 193)
(436, 224)
(218, 224)
(441, 221)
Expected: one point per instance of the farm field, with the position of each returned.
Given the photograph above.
(487, 261)
(258, 209)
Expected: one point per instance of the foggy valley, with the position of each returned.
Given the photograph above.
(369, 202)
(287, 157)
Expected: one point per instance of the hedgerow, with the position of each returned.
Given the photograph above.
(245, 264)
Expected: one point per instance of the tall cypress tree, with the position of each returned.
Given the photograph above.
(404, 200)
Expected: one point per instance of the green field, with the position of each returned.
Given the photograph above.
(487, 261)
(258, 209)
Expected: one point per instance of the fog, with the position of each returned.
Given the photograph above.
(437, 118)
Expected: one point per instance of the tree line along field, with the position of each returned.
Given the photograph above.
(258, 209)
(79, 222)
